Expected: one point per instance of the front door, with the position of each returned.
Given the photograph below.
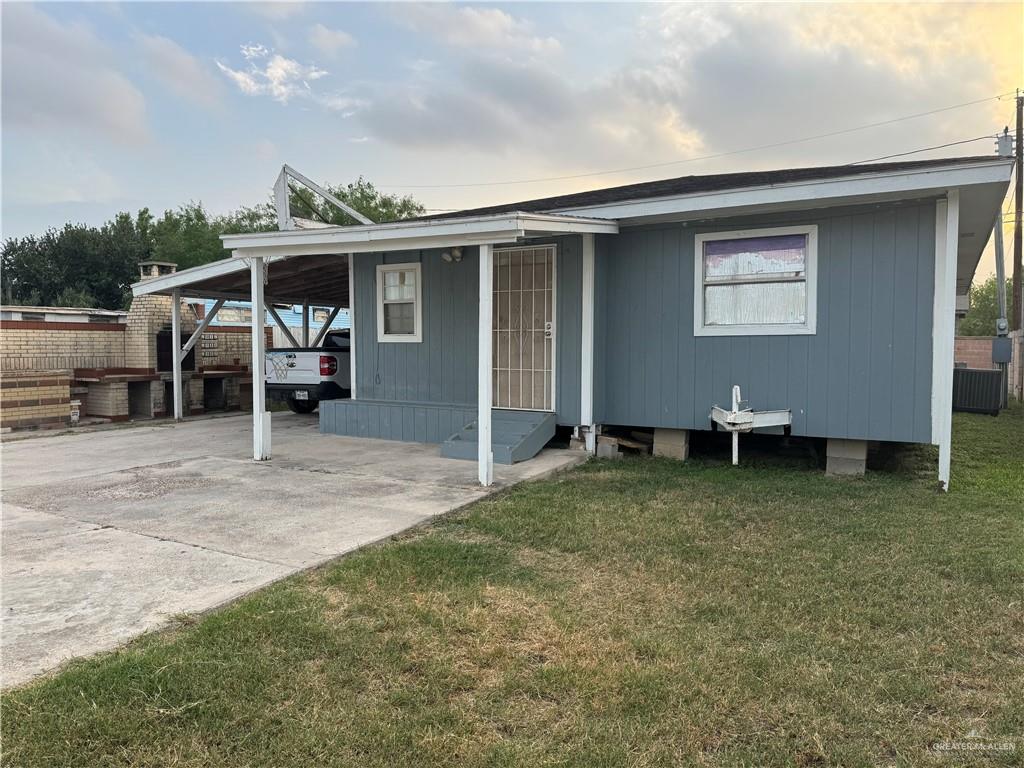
(523, 329)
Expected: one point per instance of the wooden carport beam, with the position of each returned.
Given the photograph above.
(282, 205)
(203, 325)
(326, 327)
(281, 325)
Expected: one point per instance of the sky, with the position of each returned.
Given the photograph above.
(117, 106)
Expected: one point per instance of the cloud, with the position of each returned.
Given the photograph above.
(273, 75)
(60, 78)
(284, 80)
(480, 28)
(180, 71)
(748, 75)
(497, 105)
(700, 79)
(330, 41)
(265, 150)
(73, 176)
(277, 11)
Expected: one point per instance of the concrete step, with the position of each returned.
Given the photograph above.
(515, 436)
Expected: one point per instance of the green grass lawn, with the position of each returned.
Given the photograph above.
(635, 613)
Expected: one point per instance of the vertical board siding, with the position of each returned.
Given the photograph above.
(384, 420)
(865, 373)
(442, 368)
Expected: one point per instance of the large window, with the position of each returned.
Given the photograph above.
(399, 310)
(758, 281)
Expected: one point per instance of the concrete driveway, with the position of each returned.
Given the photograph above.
(107, 534)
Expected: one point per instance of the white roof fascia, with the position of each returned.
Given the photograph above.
(345, 239)
(935, 179)
(396, 236)
(187, 276)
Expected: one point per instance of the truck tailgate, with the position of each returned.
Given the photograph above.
(293, 366)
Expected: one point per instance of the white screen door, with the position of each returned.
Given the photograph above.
(523, 328)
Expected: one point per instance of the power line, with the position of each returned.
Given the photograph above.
(923, 149)
(717, 155)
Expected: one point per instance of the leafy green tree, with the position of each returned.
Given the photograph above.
(980, 319)
(361, 195)
(95, 267)
(74, 297)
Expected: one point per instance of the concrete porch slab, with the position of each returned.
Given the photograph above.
(108, 534)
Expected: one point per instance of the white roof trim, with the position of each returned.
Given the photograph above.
(346, 238)
(935, 179)
(395, 236)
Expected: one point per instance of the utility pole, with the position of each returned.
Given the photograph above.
(1018, 193)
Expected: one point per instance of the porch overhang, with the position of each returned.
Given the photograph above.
(311, 265)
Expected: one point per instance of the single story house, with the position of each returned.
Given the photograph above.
(826, 294)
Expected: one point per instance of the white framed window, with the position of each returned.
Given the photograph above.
(756, 282)
(399, 303)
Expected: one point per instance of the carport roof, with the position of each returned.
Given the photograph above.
(312, 265)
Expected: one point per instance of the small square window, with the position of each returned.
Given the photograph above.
(399, 299)
(755, 282)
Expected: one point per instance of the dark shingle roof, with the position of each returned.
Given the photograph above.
(688, 185)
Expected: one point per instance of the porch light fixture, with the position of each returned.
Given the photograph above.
(453, 256)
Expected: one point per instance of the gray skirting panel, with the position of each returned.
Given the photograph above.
(390, 420)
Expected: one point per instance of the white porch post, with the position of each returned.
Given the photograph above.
(947, 238)
(176, 352)
(260, 415)
(587, 352)
(305, 323)
(351, 327)
(485, 456)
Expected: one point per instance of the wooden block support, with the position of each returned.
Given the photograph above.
(672, 443)
(846, 457)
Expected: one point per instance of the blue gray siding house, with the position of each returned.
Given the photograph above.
(825, 294)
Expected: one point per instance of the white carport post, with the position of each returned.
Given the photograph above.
(260, 415)
(485, 455)
(351, 327)
(947, 240)
(587, 351)
(176, 352)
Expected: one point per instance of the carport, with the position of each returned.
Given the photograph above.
(314, 266)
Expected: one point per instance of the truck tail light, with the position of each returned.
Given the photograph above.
(328, 365)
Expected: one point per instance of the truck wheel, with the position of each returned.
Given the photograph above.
(301, 406)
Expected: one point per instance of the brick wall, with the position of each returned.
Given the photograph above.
(41, 346)
(976, 351)
(225, 346)
(147, 316)
(107, 399)
(35, 398)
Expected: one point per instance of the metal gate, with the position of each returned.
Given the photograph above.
(523, 328)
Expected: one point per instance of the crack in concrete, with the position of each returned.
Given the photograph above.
(108, 526)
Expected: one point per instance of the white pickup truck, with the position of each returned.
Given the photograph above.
(303, 376)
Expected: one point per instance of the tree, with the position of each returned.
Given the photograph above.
(95, 267)
(980, 319)
(361, 195)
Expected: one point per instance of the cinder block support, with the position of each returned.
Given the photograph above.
(672, 443)
(846, 457)
(608, 448)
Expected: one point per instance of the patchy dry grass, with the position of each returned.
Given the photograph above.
(640, 613)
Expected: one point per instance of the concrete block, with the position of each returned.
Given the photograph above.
(608, 448)
(846, 457)
(673, 443)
